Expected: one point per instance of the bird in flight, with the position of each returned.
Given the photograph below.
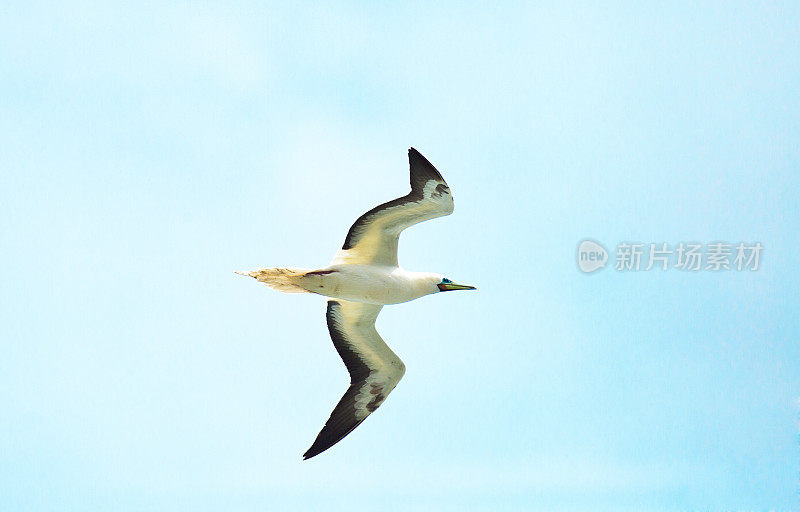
(362, 278)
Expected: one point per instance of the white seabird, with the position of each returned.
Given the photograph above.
(362, 278)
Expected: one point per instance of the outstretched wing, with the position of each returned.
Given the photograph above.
(374, 369)
(372, 239)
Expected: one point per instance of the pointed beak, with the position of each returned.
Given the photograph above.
(449, 287)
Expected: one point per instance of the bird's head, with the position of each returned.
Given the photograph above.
(446, 285)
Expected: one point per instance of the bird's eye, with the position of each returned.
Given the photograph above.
(445, 281)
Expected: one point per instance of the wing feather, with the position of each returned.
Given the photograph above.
(374, 369)
(373, 237)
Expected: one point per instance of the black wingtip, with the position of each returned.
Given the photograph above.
(325, 440)
(318, 447)
(416, 156)
(421, 170)
(311, 453)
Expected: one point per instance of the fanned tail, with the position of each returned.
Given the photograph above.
(281, 279)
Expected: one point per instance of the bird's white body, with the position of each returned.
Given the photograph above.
(373, 284)
(363, 277)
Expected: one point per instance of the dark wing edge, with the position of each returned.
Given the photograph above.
(422, 171)
(342, 421)
(350, 411)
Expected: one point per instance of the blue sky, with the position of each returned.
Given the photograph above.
(149, 150)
